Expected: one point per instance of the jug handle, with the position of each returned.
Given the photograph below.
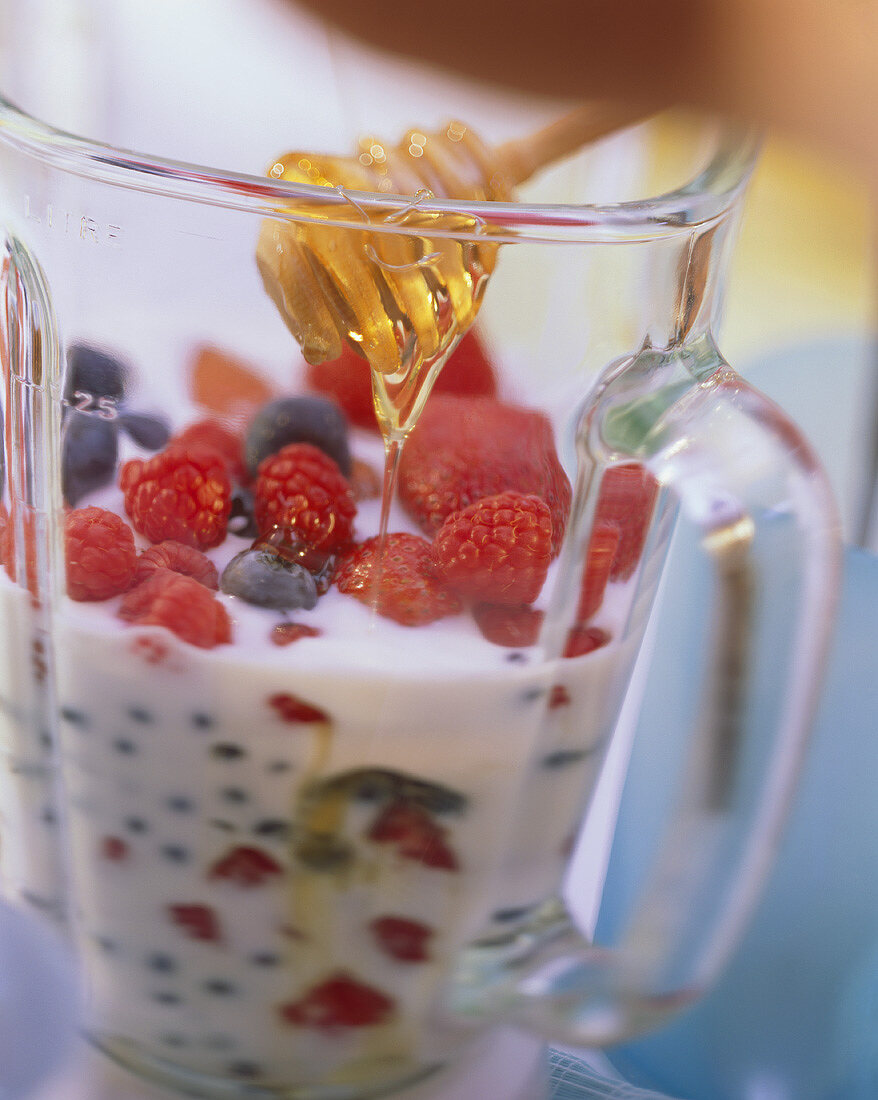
(747, 480)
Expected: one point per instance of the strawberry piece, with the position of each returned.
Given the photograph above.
(402, 938)
(585, 639)
(515, 627)
(467, 448)
(559, 696)
(114, 849)
(100, 555)
(287, 633)
(200, 922)
(468, 370)
(245, 866)
(181, 605)
(410, 592)
(302, 489)
(225, 385)
(182, 493)
(497, 550)
(348, 380)
(626, 500)
(179, 558)
(365, 481)
(290, 708)
(216, 437)
(602, 550)
(415, 836)
(339, 1002)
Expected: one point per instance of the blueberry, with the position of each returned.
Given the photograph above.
(563, 757)
(95, 373)
(150, 432)
(241, 521)
(298, 420)
(269, 580)
(89, 451)
(227, 750)
(319, 563)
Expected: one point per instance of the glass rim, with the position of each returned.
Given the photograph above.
(701, 201)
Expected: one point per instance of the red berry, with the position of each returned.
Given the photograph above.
(348, 381)
(401, 938)
(216, 437)
(114, 849)
(515, 627)
(410, 592)
(467, 448)
(602, 550)
(245, 866)
(287, 633)
(626, 500)
(179, 558)
(198, 921)
(468, 370)
(100, 554)
(182, 493)
(291, 709)
(559, 696)
(416, 836)
(301, 488)
(226, 385)
(365, 481)
(585, 639)
(497, 550)
(180, 604)
(8, 547)
(340, 1001)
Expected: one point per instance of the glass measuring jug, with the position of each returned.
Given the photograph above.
(313, 831)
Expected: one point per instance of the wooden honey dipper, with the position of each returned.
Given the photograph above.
(403, 298)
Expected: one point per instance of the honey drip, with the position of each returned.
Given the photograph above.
(390, 287)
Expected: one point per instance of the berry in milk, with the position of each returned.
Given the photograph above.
(286, 820)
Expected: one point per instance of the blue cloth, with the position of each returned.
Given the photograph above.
(795, 1015)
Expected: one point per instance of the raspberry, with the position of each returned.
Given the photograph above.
(180, 604)
(347, 380)
(179, 558)
(466, 448)
(216, 437)
(290, 708)
(225, 385)
(401, 938)
(100, 554)
(410, 592)
(415, 836)
(497, 550)
(627, 498)
(507, 625)
(302, 489)
(245, 867)
(182, 493)
(340, 1001)
(199, 922)
(602, 550)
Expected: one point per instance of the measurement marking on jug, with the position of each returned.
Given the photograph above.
(70, 224)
